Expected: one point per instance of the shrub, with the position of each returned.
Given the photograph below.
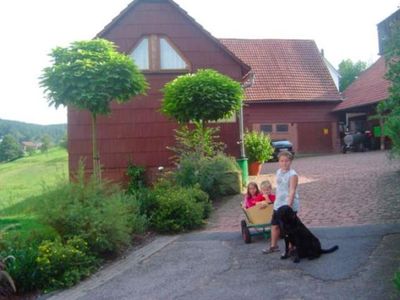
(98, 212)
(178, 208)
(24, 269)
(258, 146)
(200, 141)
(24, 247)
(145, 200)
(7, 285)
(396, 280)
(63, 265)
(136, 176)
(217, 176)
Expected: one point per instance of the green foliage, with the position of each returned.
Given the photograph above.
(200, 141)
(24, 247)
(7, 285)
(396, 280)
(136, 176)
(98, 212)
(390, 109)
(46, 143)
(217, 176)
(64, 141)
(258, 146)
(61, 265)
(349, 71)
(145, 199)
(31, 132)
(90, 74)
(178, 208)
(203, 96)
(10, 149)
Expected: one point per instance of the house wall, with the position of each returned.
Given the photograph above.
(137, 131)
(312, 128)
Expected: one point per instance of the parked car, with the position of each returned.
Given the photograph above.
(281, 145)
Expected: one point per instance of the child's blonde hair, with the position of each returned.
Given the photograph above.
(265, 184)
(285, 153)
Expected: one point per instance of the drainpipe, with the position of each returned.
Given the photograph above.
(242, 161)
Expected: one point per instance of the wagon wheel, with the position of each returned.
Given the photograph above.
(245, 232)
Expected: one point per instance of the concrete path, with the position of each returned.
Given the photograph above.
(337, 190)
(215, 265)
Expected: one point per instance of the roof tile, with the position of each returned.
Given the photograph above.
(369, 88)
(285, 70)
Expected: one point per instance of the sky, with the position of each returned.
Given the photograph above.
(30, 29)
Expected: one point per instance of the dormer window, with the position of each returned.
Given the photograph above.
(157, 53)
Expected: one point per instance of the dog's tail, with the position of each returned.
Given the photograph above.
(330, 250)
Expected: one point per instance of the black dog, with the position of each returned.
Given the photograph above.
(304, 243)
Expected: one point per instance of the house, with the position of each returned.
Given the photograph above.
(292, 97)
(363, 95)
(29, 145)
(293, 92)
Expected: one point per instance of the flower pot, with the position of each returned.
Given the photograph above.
(254, 168)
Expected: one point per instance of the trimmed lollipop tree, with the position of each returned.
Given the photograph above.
(200, 98)
(89, 75)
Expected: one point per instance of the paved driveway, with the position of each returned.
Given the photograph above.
(336, 190)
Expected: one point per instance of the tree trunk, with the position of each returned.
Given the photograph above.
(95, 155)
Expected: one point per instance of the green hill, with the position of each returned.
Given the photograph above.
(32, 132)
(25, 177)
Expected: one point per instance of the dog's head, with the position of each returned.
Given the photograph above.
(287, 215)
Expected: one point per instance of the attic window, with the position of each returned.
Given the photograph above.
(156, 53)
(141, 54)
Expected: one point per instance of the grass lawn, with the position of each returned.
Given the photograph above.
(22, 181)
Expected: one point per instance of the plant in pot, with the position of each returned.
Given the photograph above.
(258, 149)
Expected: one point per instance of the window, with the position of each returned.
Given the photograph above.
(266, 128)
(169, 58)
(282, 127)
(156, 53)
(140, 54)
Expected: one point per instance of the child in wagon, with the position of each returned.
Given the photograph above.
(266, 190)
(254, 195)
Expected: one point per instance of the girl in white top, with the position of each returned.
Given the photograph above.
(286, 194)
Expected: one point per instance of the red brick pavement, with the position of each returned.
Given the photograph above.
(335, 190)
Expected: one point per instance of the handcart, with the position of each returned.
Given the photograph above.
(258, 221)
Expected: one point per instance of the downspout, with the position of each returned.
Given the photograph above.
(245, 85)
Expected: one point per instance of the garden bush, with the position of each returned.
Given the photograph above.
(178, 208)
(61, 265)
(24, 247)
(217, 176)
(145, 200)
(136, 176)
(396, 280)
(98, 212)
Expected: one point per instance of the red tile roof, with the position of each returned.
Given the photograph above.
(369, 88)
(285, 70)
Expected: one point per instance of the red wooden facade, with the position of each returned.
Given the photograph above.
(138, 132)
